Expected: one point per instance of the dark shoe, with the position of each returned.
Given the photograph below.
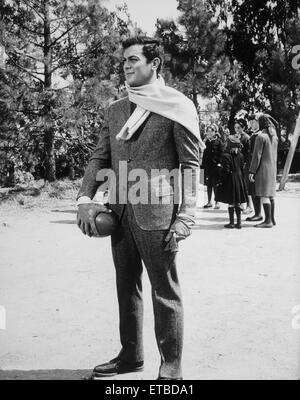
(255, 218)
(229, 226)
(231, 218)
(161, 378)
(208, 205)
(267, 222)
(115, 367)
(264, 225)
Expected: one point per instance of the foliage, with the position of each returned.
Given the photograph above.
(237, 52)
(62, 70)
(260, 37)
(63, 67)
(194, 48)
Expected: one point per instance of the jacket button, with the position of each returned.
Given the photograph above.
(129, 160)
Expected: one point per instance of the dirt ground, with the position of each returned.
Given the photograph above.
(58, 290)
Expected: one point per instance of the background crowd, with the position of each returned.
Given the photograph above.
(60, 67)
(240, 168)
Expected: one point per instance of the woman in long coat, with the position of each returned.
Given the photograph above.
(232, 190)
(240, 126)
(263, 168)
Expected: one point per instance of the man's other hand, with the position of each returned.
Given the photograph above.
(86, 217)
(178, 231)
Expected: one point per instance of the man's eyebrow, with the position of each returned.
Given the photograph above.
(124, 58)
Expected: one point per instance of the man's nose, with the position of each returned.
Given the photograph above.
(126, 66)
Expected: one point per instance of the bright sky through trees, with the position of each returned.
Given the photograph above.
(146, 12)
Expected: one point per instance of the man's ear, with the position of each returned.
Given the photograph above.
(155, 63)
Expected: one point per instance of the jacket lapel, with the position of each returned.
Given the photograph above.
(126, 110)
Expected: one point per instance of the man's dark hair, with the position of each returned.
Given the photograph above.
(151, 48)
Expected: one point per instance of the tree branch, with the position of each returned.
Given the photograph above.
(15, 76)
(37, 111)
(27, 2)
(67, 31)
(57, 19)
(29, 56)
(55, 29)
(26, 70)
(36, 44)
(85, 53)
(31, 31)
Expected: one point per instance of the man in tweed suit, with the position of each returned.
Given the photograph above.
(139, 135)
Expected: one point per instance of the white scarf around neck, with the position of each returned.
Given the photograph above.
(163, 100)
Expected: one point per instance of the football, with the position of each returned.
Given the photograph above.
(106, 223)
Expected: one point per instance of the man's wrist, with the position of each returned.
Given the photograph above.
(87, 200)
(83, 200)
(187, 219)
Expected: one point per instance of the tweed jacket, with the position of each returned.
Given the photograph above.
(157, 148)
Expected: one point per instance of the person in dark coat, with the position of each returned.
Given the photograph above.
(211, 158)
(240, 127)
(232, 189)
(263, 168)
(256, 200)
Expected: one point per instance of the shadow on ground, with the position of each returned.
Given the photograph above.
(216, 227)
(211, 210)
(45, 374)
(215, 219)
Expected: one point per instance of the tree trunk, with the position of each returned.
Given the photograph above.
(291, 153)
(236, 106)
(50, 169)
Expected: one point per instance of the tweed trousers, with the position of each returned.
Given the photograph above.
(130, 246)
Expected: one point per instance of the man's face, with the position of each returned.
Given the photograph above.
(137, 70)
(253, 124)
